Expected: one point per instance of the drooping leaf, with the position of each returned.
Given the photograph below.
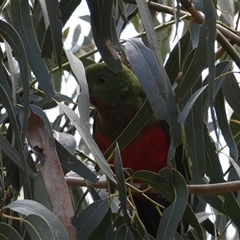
(193, 113)
(8, 232)
(152, 41)
(121, 184)
(89, 219)
(122, 190)
(81, 123)
(10, 151)
(158, 91)
(30, 207)
(56, 28)
(38, 228)
(104, 32)
(23, 24)
(13, 39)
(173, 214)
(223, 124)
(69, 161)
(193, 66)
(214, 171)
(210, 26)
(176, 57)
(105, 229)
(66, 8)
(123, 232)
(231, 92)
(22, 160)
(161, 183)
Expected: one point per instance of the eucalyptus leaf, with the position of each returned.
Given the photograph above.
(81, 123)
(104, 32)
(89, 219)
(8, 232)
(23, 23)
(157, 89)
(30, 207)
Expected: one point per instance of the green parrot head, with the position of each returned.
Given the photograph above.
(109, 89)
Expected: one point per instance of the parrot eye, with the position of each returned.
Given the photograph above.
(102, 80)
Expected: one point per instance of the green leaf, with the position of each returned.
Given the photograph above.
(71, 162)
(176, 57)
(173, 214)
(221, 68)
(23, 23)
(30, 207)
(90, 218)
(118, 168)
(104, 32)
(123, 232)
(152, 40)
(232, 208)
(5, 80)
(214, 201)
(105, 228)
(193, 66)
(158, 90)
(81, 123)
(67, 7)
(235, 128)
(210, 25)
(56, 28)
(214, 171)
(13, 39)
(161, 183)
(4, 98)
(213, 166)
(190, 103)
(7, 232)
(122, 190)
(38, 228)
(231, 92)
(207, 224)
(11, 152)
(223, 124)
(193, 127)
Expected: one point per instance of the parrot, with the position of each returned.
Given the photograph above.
(117, 97)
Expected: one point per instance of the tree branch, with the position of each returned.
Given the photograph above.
(222, 33)
(203, 189)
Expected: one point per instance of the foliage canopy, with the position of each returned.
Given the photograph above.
(186, 56)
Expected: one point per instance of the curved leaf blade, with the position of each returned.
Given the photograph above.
(82, 123)
(224, 125)
(38, 228)
(193, 66)
(173, 214)
(11, 152)
(8, 232)
(89, 219)
(158, 91)
(10, 34)
(176, 57)
(56, 28)
(23, 24)
(104, 32)
(161, 183)
(71, 162)
(28, 207)
(231, 92)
